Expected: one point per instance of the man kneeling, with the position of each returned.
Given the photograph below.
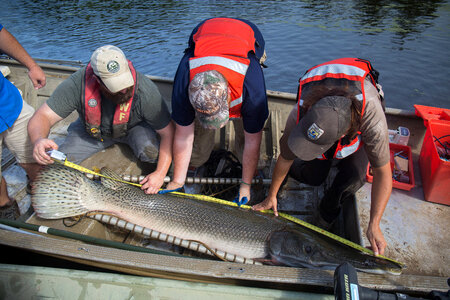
(116, 104)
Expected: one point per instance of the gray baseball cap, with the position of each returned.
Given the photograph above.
(324, 123)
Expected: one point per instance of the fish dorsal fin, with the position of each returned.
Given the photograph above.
(110, 183)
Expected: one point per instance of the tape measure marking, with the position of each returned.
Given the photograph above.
(224, 202)
(85, 170)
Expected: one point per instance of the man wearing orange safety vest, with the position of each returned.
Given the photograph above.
(116, 104)
(219, 78)
(338, 121)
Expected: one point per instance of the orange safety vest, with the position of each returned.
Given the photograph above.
(354, 69)
(222, 44)
(92, 106)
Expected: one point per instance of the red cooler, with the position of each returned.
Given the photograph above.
(434, 161)
(432, 113)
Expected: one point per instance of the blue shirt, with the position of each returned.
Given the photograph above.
(10, 102)
(254, 110)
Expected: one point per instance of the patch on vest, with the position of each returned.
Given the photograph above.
(314, 132)
(92, 103)
(113, 66)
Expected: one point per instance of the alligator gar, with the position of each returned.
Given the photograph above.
(61, 192)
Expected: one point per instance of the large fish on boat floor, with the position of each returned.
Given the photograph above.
(61, 192)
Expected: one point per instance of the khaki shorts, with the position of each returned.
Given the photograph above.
(16, 137)
(204, 142)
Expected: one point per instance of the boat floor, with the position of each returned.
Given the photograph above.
(416, 231)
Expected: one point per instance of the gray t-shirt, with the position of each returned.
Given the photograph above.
(148, 104)
(374, 130)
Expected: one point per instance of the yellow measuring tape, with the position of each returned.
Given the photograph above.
(292, 219)
(85, 170)
(342, 240)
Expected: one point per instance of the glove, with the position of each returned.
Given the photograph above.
(240, 201)
(169, 191)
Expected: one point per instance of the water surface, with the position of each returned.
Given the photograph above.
(407, 41)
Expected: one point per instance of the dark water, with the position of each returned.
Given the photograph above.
(407, 41)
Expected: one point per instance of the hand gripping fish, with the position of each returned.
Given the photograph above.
(61, 192)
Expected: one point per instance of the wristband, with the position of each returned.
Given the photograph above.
(243, 182)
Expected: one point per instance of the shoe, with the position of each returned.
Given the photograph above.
(194, 188)
(28, 189)
(10, 211)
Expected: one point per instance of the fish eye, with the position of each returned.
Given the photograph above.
(308, 249)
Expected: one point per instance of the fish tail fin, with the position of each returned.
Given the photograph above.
(61, 192)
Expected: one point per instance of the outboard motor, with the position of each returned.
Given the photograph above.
(346, 287)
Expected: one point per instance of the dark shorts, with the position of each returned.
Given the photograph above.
(351, 172)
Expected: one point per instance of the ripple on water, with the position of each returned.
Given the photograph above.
(407, 42)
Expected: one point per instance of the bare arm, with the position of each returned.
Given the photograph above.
(38, 129)
(153, 182)
(250, 159)
(10, 46)
(381, 191)
(182, 150)
(279, 173)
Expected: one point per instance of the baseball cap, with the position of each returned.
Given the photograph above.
(208, 94)
(110, 64)
(324, 124)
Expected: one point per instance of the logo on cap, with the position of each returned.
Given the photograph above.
(92, 102)
(113, 66)
(314, 132)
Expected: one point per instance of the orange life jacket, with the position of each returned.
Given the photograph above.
(222, 44)
(354, 69)
(92, 106)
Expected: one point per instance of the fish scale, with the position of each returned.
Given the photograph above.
(236, 231)
(191, 219)
(63, 192)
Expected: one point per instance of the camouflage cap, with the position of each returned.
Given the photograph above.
(208, 94)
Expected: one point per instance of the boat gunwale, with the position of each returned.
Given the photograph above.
(65, 65)
(210, 270)
(410, 283)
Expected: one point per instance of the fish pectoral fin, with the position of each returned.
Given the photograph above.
(269, 261)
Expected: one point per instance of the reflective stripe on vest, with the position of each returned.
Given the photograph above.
(344, 151)
(349, 68)
(223, 44)
(92, 106)
(343, 68)
(236, 66)
(347, 150)
(334, 71)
